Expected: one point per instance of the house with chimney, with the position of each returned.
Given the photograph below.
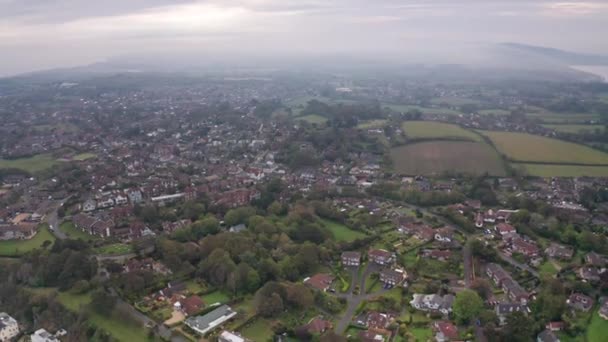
(393, 277)
(380, 256)
(351, 259)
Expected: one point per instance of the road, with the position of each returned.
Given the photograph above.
(52, 218)
(518, 264)
(353, 300)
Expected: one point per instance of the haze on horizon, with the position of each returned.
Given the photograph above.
(42, 34)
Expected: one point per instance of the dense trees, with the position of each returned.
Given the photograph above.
(467, 306)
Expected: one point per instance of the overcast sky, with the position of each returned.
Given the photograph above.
(38, 34)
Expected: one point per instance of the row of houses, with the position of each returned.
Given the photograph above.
(504, 280)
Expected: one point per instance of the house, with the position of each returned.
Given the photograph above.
(380, 256)
(433, 302)
(9, 327)
(445, 235)
(374, 335)
(514, 291)
(526, 248)
(595, 259)
(504, 229)
(238, 228)
(192, 305)
(320, 281)
(559, 252)
(425, 233)
(135, 196)
(547, 336)
(392, 277)
(89, 205)
(229, 336)
(603, 311)
(377, 320)
(172, 289)
(317, 326)
(590, 274)
(445, 331)
(351, 258)
(21, 231)
(497, 273)
(438, 254)
(555, 326)
(41, 335)
(505, 309)
(204, 324)
(580, 302)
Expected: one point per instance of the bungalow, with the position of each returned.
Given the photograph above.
(425, 233)
(393, 277)
(580, 302)
(377, 320)
(351, 258)
(374, 335)
(229, 336)
(317, 326)
(547, 336)
(21, 231)
(528, 249)
(380, 256)
(444, 235)
(210, 321)
(445, 331)
(590, 274)
(89, 205)
(504, 229)
(9, 327)
(559, 252)
(433, 302)
(192, 305)
(438, 254)
(505, 309)
(595, 259)
(320, 281)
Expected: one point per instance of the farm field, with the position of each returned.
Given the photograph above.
(434, 158)
(551, 170)
(437, 130)
(372, 124)
(313, 119)
(523, 147)
(33, 164)
(342, 232)
(84, 156)
(575, 129)
(424, 110)
(19, 247)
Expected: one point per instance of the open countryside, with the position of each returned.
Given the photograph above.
(437, 130)
(523, 147)
(437, 157)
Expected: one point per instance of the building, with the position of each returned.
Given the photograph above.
(204, 324)
(229, 336)
(505, 229)
(380, 256)
(515, 292)
(392, 277)
(445, 331)
(21, 231)
(603, 311)
(595, 259)
(320, 281)
(445, 235)
(497, 273)
(559, 252)
(351, 259)
(41, 335)
(433, 302)
(9, 327)
(547, 336)
(505, 309)
(377, 320)
(317, 326)
(580, 302)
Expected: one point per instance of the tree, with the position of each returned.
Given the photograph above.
(519, 327)
(102, 302)
(270, 307)
(482, 287)
(467, 306)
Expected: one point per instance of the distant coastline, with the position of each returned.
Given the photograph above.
(599, 70)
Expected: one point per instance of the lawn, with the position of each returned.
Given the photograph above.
(114, 249)
(260, 330)
(20, 247)
(84, 156)
(423, 110)
(549, 170)
(437, 157)
(119, 329)
(575, 129)
(313, 119)
(74, 233)
(422, 334)
(547, 268)
(342, 232)
(33, 164)
(437, 130)
(372, 124)
(597, 329)
(215, 297)
(525, 147)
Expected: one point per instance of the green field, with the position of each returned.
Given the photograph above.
(260, 330)
(454, 101)
(313, 119)
(437, 157)
(575, 129)
(494, 112)
(118, 328)
(19, 247)
(84, 156)
(372, 124)
(525, 147)
(342, 232)
(597, 331)
(33, 164)
(114, 249)
(422, 334)
(437, 130)
(215, 297)
(74, 233)
(424, 110)
(548, 170)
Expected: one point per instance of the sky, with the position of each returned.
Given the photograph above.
(42, 34)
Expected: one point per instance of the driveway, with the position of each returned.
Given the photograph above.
(518, 264)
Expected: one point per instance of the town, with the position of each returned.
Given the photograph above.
(289, 207)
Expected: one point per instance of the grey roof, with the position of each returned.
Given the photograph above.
(507, 308)
(211, 320)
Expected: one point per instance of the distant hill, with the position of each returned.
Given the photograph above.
(560, 56)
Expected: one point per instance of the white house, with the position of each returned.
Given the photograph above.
(9, 327)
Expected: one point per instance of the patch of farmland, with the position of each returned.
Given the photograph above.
(523, 147)
(438, 157)
(437, 130)
(556, 170)
(575, 129)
